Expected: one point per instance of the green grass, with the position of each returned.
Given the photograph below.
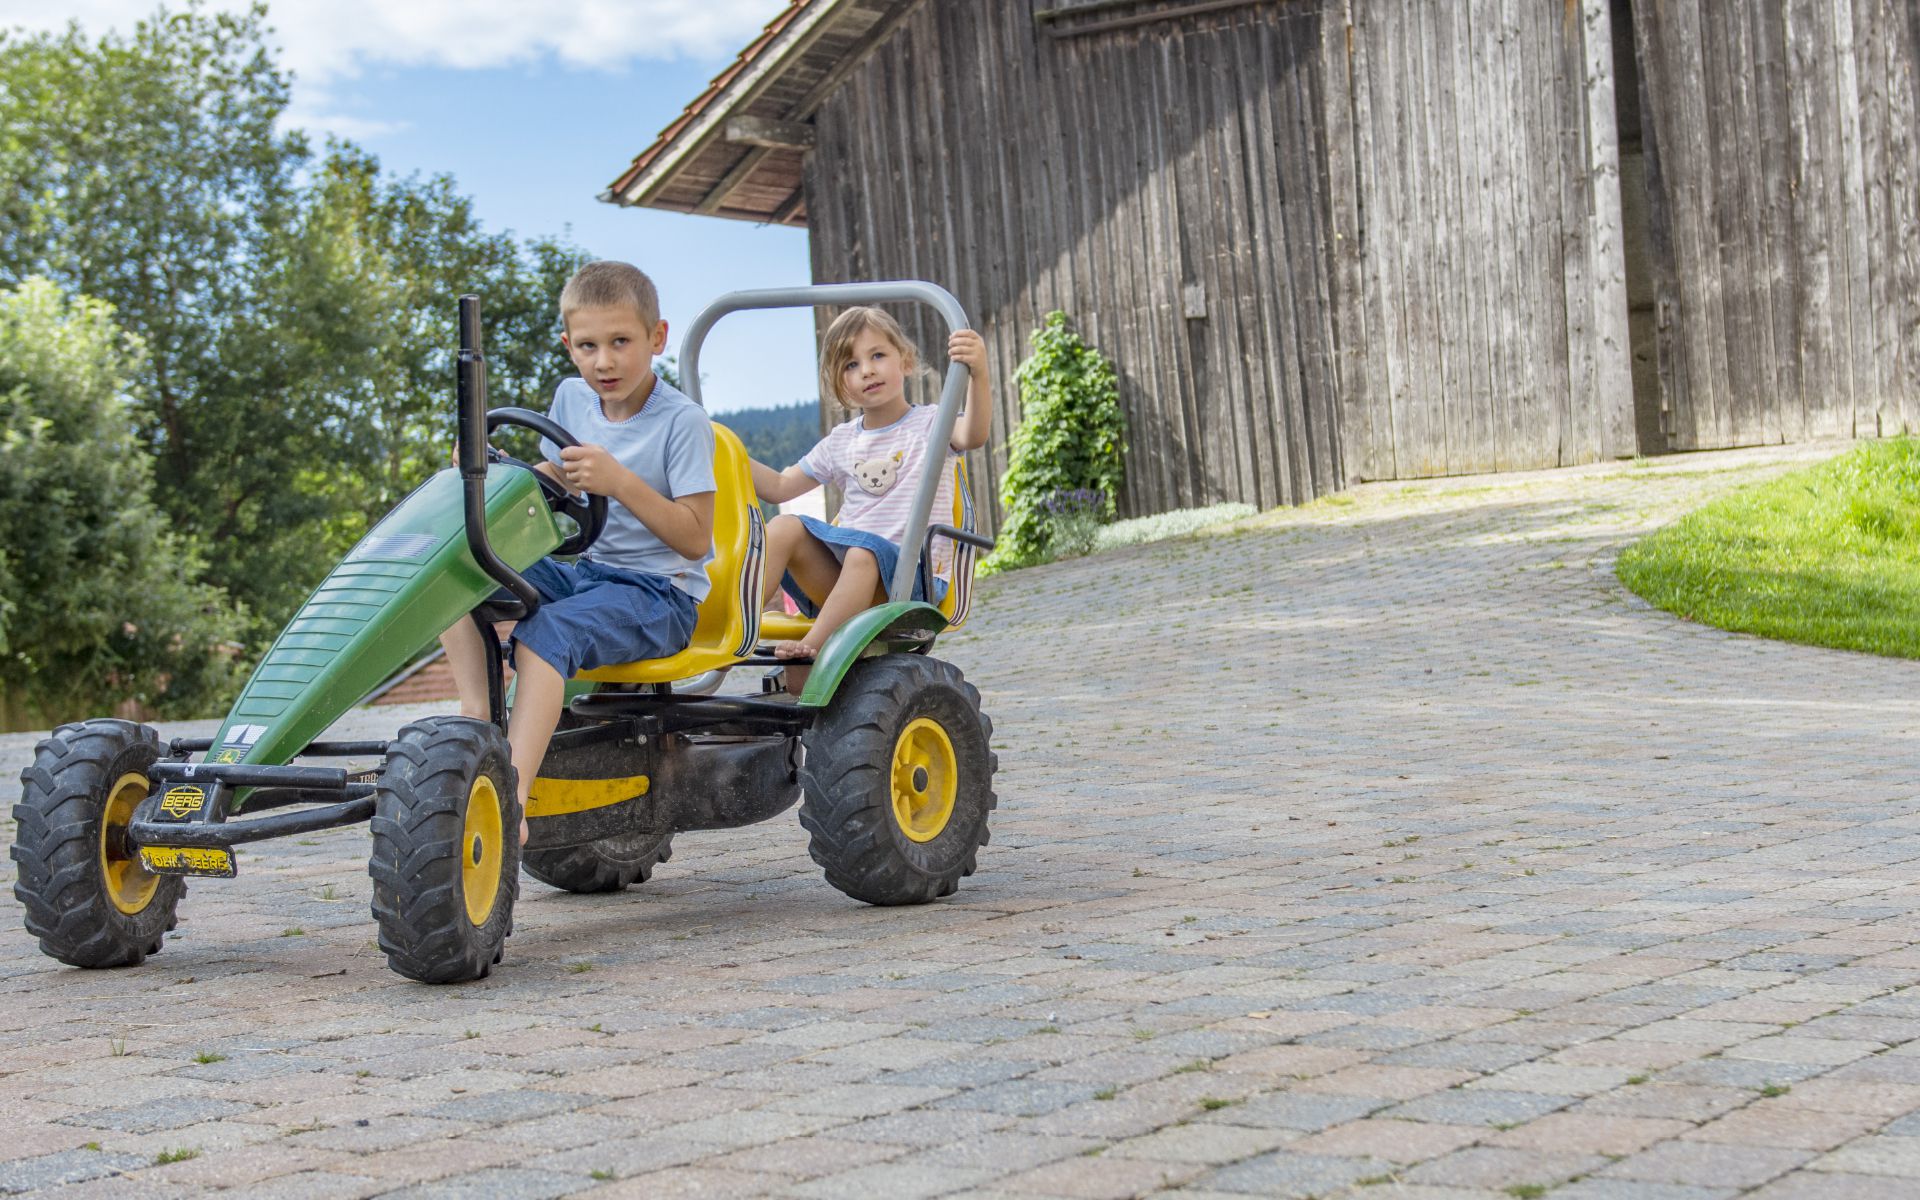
(1828, 556)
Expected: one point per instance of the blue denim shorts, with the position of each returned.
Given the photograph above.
(597, 616)
(840, 540)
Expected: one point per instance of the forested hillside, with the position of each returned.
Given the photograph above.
(777, 436)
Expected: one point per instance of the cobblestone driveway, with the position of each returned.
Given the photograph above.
(1384, 848)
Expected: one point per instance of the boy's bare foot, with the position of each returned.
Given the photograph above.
(794, 650)
(523, 831)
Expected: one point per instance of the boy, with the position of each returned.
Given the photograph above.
(649, 450)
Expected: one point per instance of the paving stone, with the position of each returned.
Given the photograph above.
(962, 1074)
(1396, 1141)
(494, 1108)
(1479, 1106)
(1283, 1175)
(1877, 1155)
(318, 1185)
(1700, 1164)
(171, 1113)
(68, 1166)
(1497, 1168)
(496, 1183)
(1826, 1185)
(1020, 1098)
(894, 1181)
(1638, 1189)
(1299, 1111)
(1100, 1178)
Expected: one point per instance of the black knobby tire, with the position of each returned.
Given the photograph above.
(850, 794)
(608, 864)
(437, 858)
(86, 896)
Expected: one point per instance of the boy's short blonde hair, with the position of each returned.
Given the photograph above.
(837, 348)
(610, 284)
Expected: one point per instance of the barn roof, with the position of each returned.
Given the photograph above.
(736, 151)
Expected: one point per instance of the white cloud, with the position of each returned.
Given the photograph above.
(322, 40)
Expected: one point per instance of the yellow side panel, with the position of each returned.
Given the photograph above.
(557, 797)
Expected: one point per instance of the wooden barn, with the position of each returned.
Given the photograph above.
(1327, 241)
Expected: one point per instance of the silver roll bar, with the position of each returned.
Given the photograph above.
(952, 393)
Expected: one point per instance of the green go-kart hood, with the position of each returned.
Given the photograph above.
(410, 578)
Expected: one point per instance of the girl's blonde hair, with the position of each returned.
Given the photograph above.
(837, 348)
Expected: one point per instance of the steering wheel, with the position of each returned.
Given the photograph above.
(588, 512)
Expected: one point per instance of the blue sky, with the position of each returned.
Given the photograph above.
(534, 144)
(533, 114)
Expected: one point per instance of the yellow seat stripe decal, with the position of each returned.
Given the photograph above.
(557, 797)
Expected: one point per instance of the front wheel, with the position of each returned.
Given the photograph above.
(87, 896)
(446, 850)
(898, 781)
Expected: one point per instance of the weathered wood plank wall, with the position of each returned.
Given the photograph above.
(1335, 240)
(1322, 240)
(1488, 224)
(1781, 147)
(1166, 186)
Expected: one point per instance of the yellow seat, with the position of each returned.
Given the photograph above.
(954, 605)
(728, 622)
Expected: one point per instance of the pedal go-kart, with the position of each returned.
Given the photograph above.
(886, 749)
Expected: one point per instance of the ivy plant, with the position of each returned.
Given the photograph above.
(1066, 455)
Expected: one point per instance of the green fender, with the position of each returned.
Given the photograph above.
(898, 625)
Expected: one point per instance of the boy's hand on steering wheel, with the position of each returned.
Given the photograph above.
(591, 469)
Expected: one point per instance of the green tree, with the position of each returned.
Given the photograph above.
(98, 602)
(298, 315)
(359, 339)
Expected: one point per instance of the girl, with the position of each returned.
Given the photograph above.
(835, 571)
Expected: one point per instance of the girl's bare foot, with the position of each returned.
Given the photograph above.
(794, 650)
(523, 831)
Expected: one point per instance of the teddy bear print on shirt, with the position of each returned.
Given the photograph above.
(878, 475)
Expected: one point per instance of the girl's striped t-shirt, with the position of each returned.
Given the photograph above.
(878, 470)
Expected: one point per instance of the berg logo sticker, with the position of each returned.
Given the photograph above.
(183, 800)
(244, 735)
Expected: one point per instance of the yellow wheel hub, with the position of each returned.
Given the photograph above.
(480, 850)
(130, 886)
(925, 780)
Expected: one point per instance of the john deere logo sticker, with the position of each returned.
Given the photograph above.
(229, 755)
(183, 801)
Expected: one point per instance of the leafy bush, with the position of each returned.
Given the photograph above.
(100, 600)
(1071, 439)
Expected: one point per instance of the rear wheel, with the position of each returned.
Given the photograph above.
(87, 896)
(446, 850)
(608, 864)
(898, 781)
